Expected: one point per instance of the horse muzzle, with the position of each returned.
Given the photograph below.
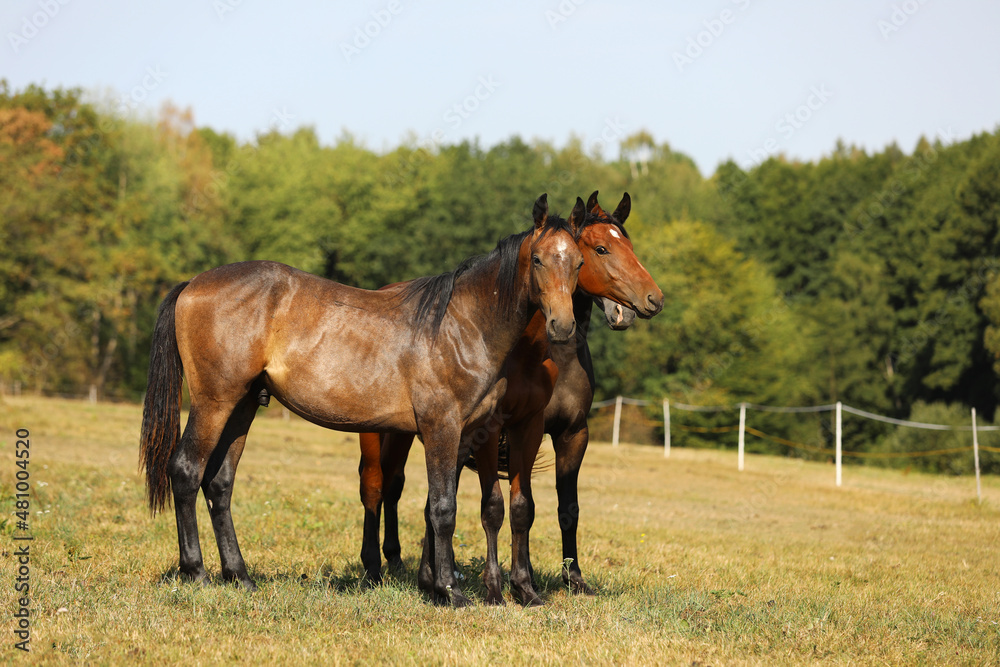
(618, 317)
(560, 331)
(651, 305)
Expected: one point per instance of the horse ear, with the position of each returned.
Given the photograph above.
(593, 206)
(576, 216)
(624, 208)
(541, 210)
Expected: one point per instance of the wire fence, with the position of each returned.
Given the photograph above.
(837, 451)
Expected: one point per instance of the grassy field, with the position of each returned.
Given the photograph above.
(695, 563)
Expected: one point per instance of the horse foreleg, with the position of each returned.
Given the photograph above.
(441, 450)
(524, 438)
(425, 572)
(570, 446)
(218, 488)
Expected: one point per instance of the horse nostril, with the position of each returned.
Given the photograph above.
(655, 301)
(560, 333)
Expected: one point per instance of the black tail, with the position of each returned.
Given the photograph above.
(161, 411)
(503, 459)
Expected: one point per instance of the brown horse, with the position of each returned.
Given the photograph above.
(612, 275)
(423, 358)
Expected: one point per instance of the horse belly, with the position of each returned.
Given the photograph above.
(350, 396)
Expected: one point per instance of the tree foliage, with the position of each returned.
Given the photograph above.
(870, 278)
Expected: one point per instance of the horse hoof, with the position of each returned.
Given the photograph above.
(200, 578)
(458, 599)
(495, 599)
(579, 587)
(533, 602)
(395, 565)
(528, 597)
(242, 580)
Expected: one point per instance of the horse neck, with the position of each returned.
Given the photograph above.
(500, 330)
(532, 347)
(535, 335)
(582, 306)
(572, 359)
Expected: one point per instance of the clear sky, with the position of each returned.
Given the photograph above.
(722, 79)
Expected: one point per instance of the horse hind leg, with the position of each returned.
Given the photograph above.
(525, 439)
(187, 470)
(370, 472)
(218, 487)
(492, 514)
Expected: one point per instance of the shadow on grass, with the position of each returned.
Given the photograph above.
(352, 580)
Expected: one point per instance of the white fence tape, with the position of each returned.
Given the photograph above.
(743, 407)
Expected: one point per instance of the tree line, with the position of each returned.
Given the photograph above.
(865, 277)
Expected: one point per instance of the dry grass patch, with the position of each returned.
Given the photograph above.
(694, 561)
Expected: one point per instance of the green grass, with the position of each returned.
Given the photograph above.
(695, 563)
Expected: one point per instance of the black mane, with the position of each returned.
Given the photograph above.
(433, 293)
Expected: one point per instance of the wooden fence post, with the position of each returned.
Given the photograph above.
(666, 428)
(840, 456)
(743, 426)
(975, 455)
(618, 422)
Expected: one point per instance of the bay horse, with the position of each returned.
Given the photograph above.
(612, 276)
(423, 358)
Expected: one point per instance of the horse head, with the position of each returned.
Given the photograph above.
(611, 272)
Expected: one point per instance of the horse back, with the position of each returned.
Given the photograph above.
(311, 342)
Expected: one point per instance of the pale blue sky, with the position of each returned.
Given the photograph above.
(869, 72)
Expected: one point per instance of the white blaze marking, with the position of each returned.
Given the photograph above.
(562, 246)
(614, 233)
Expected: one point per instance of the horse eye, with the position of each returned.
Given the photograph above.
(536, 260)
(601, 250)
